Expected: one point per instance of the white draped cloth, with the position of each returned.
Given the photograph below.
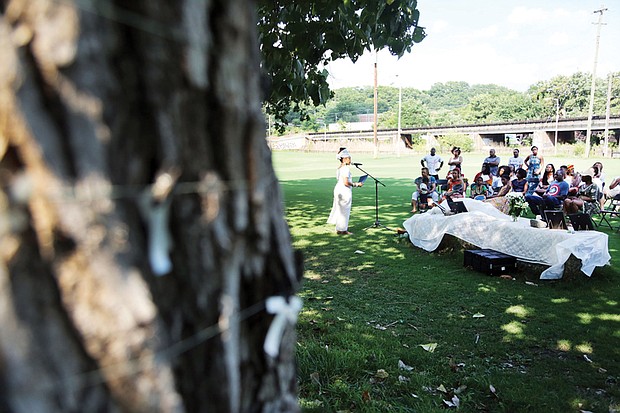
(487, 228)
(343, 198)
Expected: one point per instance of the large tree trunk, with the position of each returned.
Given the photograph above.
(98, 101)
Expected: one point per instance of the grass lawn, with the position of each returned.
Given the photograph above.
(497, 345)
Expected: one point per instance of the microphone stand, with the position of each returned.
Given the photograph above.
(377, 223)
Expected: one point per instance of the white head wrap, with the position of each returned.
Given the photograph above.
(343, 154)
(589, 171)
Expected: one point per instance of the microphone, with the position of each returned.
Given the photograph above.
(357, 164)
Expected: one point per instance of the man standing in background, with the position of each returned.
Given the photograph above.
(433, 162)
(493, 161)
(516, 161)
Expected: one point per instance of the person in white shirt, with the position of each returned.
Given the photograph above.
(434, 163)
(612, 191)
(598, 177)
(516, 161)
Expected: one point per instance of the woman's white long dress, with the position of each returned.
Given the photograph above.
(343, 197)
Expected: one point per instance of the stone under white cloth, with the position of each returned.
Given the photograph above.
(486, 227)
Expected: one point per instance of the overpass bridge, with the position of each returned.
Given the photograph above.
(543, 133)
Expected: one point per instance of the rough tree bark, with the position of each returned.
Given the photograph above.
(99, 100)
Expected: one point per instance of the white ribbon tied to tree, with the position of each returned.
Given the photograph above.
(157, 215)
(284, 313)
(154, 204)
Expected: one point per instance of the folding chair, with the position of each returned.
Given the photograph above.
(610, 211)
(581, 221)
(441, 183)
(555, 219)
(456, 206)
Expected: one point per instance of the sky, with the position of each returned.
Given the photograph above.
(505, 42)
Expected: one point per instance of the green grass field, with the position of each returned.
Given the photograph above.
(498, 345)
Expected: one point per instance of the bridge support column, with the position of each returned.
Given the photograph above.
(477, 138)
(542, 139)
(431, 141)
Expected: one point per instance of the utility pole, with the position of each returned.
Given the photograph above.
(400, 103)
(557, 118)
(593, 87)
(608, 114)
(269, 130)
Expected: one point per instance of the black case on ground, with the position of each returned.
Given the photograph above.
(489, 262)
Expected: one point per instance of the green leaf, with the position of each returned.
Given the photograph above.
(419, 34)
(297, 37)
(299, 69)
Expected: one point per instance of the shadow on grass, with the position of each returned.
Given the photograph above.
(372, 298)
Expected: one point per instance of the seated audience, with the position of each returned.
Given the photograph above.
(456, 185)
(574, 180)
(585, 200)
(593, 171)
(519, 184)
(547, 178)
(497, 181)
(612, 190)
(430, 191)
(485, 173)
(598, 178)
(424, 195)
(500, 201)
(479, 190)
(561, 188)
(552, 198)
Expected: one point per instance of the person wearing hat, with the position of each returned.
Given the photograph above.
(457, 159)
(343, 196)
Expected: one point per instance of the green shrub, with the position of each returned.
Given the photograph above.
(526, 140)
(447, 142)
(579, 149)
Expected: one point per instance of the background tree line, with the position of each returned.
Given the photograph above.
(453, 103)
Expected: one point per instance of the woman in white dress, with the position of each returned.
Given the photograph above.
(341, 208)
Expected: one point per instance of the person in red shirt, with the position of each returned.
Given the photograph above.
(456, 185)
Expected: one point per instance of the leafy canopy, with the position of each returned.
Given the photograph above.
(298, 40)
